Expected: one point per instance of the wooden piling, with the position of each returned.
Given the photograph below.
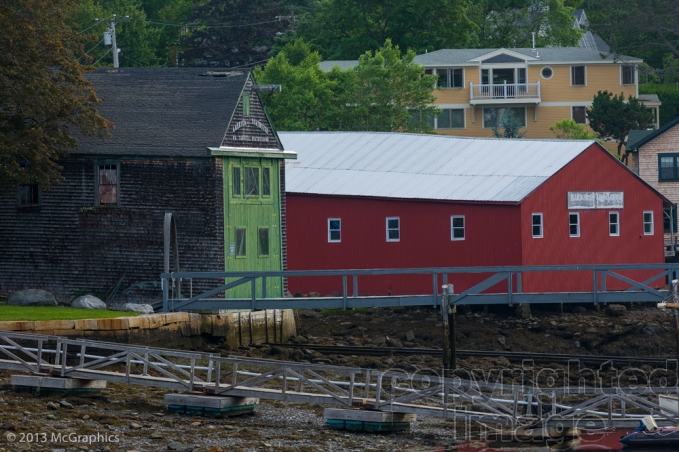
(449, 345)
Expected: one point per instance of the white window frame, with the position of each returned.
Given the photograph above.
(651, 223)
(579, 106)
(634, 75)
(571, 73)
(329, 230)
(542, 225)
(577, 214)
(617, 223)
(397, 229)
(525, 116)
(464, 120)
(452, 230)
(547, 67)
(449, 77)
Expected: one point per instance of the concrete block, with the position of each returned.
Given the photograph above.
(69, 333)
(206, 323)
(176, 317)
(208, 401)
(86, 324)
(55, 382)
(139, 322)
(54, 325)
(17, 326)
(155, 320)
(219, 325)
(367, 416)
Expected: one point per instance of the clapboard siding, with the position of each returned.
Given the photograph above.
(67, 245)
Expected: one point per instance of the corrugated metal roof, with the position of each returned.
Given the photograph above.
(419, 166)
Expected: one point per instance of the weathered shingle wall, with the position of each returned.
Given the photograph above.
(67, 245)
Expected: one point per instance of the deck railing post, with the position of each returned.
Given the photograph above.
(166, 304)
(509, 288)
(263, 286)
(253, 289)
(595, 275)
(344, 292)
(355, 285)
(434, 279)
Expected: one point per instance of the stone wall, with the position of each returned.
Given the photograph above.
(178, 329)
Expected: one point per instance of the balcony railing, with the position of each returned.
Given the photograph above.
(505, 91)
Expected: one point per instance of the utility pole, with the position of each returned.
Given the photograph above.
(112, 30)
(290, 18)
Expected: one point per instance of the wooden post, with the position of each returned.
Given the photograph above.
(449, 346)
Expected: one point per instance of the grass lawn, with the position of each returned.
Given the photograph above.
(36, 313)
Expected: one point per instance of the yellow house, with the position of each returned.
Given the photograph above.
(540, 86)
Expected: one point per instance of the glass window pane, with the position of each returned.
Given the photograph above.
(458, 222)
(578, 75)
(236, 181)
(456, 78)
(263, 241)
(521, 75)
(392, 223)
(458, 233)
(443, 78)
(579, 115)
(334, 224)
(444, 120)
(108, 184)
(240, 242)
(335, 236)
(537, 219)
(485, 76)
(266, 183)
(457, 118)
(393, 234)
(536, 230)
(490, 117)
(519, 115)
(251, 181)
(574, 229)
(667, 167)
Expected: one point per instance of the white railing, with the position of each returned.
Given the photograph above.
(505, 91)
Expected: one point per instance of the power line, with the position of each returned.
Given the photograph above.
(102, 56)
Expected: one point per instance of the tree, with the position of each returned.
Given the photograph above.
(44, 97)
(510, 23)
(382, 93)
(345, 29)
(612, 117)
(568, 129)
(386, 89)
(306, 98)
(509, 124)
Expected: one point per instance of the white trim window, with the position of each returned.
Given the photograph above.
(492, 115)
(457, 227)
(450, 77)
(627, 74)
(334, 230)
(536, 225)
(451, 118)
(574, 224)
(393, 229)
(578, 75)
(614, 224)
(648, 222)
(579, 114)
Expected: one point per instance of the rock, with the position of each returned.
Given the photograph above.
(86, 417)
(314, 294)
(65, 404)
(393, 343)
(52, 406)
(651, 328)
(157, 436)
(174, 446)
(616, 310)
(31, 297)
(577, 344)
(502, 340)
(523, 311)
(410, 336)
(378, 341)
(553, 323)
(579, 309)
(133, 307)
(282, 351)
(371, 311)
(8, 426)
(301, 340)
(88, 302)
(135, 426)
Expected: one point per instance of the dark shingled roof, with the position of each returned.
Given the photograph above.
(163, 112)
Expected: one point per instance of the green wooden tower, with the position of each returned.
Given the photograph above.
(254, 193)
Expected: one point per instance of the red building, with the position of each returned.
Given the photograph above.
(387, 200)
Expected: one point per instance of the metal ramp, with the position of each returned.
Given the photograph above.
(425, 393)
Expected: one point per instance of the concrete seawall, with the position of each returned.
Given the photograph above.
(177, 329)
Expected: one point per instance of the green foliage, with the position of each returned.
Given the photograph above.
(137, 40)
(668, 95)
(38, 313)
(345, 29)
(45, 97)
(568, 129)
(509, 23)
(510, 125)
(612, 117)
(378, 95)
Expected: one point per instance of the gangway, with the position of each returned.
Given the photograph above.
(512, 404)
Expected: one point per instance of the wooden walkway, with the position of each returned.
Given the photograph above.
(396, 391)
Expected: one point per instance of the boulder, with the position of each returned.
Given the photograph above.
(32, 297)
(616, 310)
(392, 343)
(523, 311)
(88, 302)
(133, 307)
